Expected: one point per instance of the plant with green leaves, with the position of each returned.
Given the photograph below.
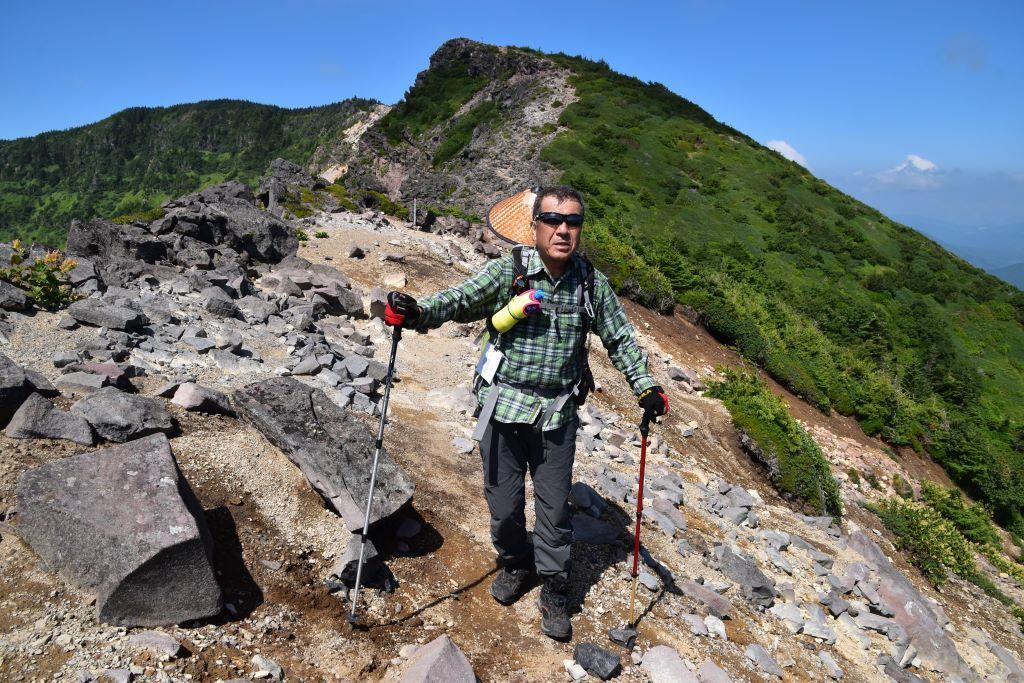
(301, 235)
(801, 471)
(44, 280)
(320, 234)
(933, 542)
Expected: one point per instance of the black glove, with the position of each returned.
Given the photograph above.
(654, 401)
(401, 310)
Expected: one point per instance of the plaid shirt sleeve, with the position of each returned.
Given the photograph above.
(470, 300)
(619, 337)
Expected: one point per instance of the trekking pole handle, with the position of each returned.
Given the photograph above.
(645, 423)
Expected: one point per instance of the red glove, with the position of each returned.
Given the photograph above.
(401, 310)
(654, 401)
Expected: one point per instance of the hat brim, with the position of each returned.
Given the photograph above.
(511, 219)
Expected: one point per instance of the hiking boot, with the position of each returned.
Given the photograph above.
(510, 584)
(554, 609)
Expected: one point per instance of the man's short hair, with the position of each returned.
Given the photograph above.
(559, 192)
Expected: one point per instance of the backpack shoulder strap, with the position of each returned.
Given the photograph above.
(520, 261)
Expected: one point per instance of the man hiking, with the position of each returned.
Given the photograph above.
(534, 376)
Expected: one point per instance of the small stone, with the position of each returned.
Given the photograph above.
(829, 662)
(715, 627)
(463, 445)
(648, 580)
(268, 665)
(156, 642)
(696, 624)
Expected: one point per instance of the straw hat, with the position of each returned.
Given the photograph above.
(511, 219)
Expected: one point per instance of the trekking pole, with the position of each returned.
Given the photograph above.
(396, 335)
(645, 428)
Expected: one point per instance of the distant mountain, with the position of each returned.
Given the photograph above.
(990, 247)
(139, 157)
(1013, 274)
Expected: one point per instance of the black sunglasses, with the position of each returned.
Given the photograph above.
(554, 219)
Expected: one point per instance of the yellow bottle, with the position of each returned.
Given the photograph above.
(517, 309)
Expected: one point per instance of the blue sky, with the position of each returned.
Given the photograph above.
(854, 88)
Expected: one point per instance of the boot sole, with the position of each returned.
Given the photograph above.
(556, 636)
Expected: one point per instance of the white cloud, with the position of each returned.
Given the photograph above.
(914, 172)
(787, 150)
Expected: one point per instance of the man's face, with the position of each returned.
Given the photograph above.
(557, 243)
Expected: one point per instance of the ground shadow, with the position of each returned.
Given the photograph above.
(240, 590)
(453, 594)
(385, 535)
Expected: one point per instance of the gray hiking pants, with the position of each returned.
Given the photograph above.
(508, 450)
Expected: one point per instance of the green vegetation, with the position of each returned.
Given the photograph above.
(341, 194)
(434, 98)
(932, 541)
(847, 309)
(134, 160)
(973, 521)
(142, 216)
(461, 132)
(44, 280)
(301, 235)
(320, 234)
(382, 202)
(803, 472)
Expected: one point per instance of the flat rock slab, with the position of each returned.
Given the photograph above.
(123, 524)
(664, 665)
(439, 660)
(716, 604)
(121, 417)
(332, 448)
(911, 611)
(37, 418)
(99, 314)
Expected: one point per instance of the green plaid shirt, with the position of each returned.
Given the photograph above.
(543, 350)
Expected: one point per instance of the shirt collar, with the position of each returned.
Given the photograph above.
(535, 266)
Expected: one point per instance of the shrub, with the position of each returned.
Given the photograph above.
(854, 476)
(932, 542)
(802, 471)
(44, 280)
(972, 521)
(320, 234)
(141, 216)
(301, 235)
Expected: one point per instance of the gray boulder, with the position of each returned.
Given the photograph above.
(102, 240)
(716, 604)
(194, 397)
(95, 312)
(14, 388)
(333, 450)
(12, 298)
(439, 660)
(756, 587)
(120, 417)
(82, 383)
(37, 418)
(123, 524)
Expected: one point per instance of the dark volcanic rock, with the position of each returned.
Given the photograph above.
(754, 584)
(95, 312)
(597, 661)
(12, 298)
(333, 449)
(122, 523)
(227, 214)
(102, 240)
(37, 418)
(120, 417)
(14, 388)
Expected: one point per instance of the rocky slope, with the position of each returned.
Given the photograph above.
(201, 423)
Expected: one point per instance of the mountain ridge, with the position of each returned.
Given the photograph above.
(846, 308)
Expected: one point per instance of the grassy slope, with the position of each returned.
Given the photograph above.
(139, 157)
(847, 308)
